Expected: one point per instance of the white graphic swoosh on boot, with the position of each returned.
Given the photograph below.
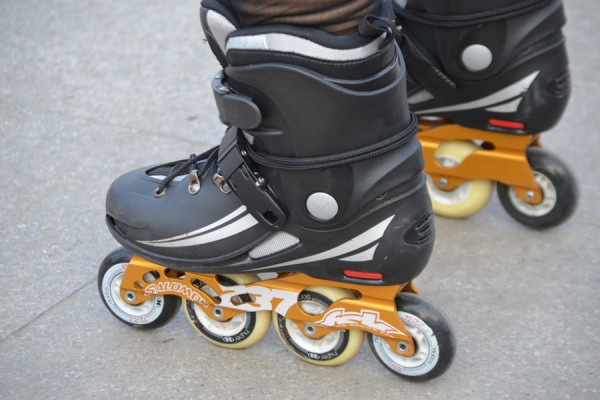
(501, 96)
(196, 237)
(366, 255)
(287, 43)
(368, 237)
(508, 107)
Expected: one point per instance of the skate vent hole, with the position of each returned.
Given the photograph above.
(173, 274)
(151, 276)
(487, 146)
(421, 232)
(270, 217)
(138, 285)
(370, 276)
(560, 85)
(197, 283)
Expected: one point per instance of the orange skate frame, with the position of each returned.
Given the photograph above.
(370, 309)
(502, 157)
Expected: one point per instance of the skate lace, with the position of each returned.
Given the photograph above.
(202, 162)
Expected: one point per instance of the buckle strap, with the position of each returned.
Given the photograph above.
(251, 189)
(334, 160)
(419, 66)
(456, 21)
(423, 70)
(234, 109)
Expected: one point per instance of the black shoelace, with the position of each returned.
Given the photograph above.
(207, 159)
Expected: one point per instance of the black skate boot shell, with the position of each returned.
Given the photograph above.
(500, 65)
(317, 181)
(319, 171)
(485, 80)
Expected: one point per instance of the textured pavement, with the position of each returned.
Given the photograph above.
(89, 90)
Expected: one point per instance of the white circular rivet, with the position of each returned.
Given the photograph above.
(476, 57)
(322, 206)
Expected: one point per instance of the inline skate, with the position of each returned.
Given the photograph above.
(485, 78)
(313, 211)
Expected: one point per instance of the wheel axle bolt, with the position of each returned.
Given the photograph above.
(530, 195)
(443, 182)
(309, 330)
(402, 347)
(130, 296)
(217, 312)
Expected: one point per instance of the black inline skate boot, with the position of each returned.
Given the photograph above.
(319, 170)
(485, 78)
(318, 180)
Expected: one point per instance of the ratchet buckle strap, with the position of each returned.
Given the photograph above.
(249, 187)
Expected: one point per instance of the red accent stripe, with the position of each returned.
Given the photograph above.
(500, 123)
(363, 275)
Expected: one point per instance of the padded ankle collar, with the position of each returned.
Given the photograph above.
(226, 36)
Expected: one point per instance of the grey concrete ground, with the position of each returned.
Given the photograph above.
(91, 89)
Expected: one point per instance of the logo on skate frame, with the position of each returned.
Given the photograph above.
(339, 317)
(175, 287)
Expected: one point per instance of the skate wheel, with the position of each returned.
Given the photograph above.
(465, 199)
(149, 314)
(559, 192)
(333, 348)
(241, 331)
(433, 336)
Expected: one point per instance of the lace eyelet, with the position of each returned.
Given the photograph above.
(159, 192)
(194, 185)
